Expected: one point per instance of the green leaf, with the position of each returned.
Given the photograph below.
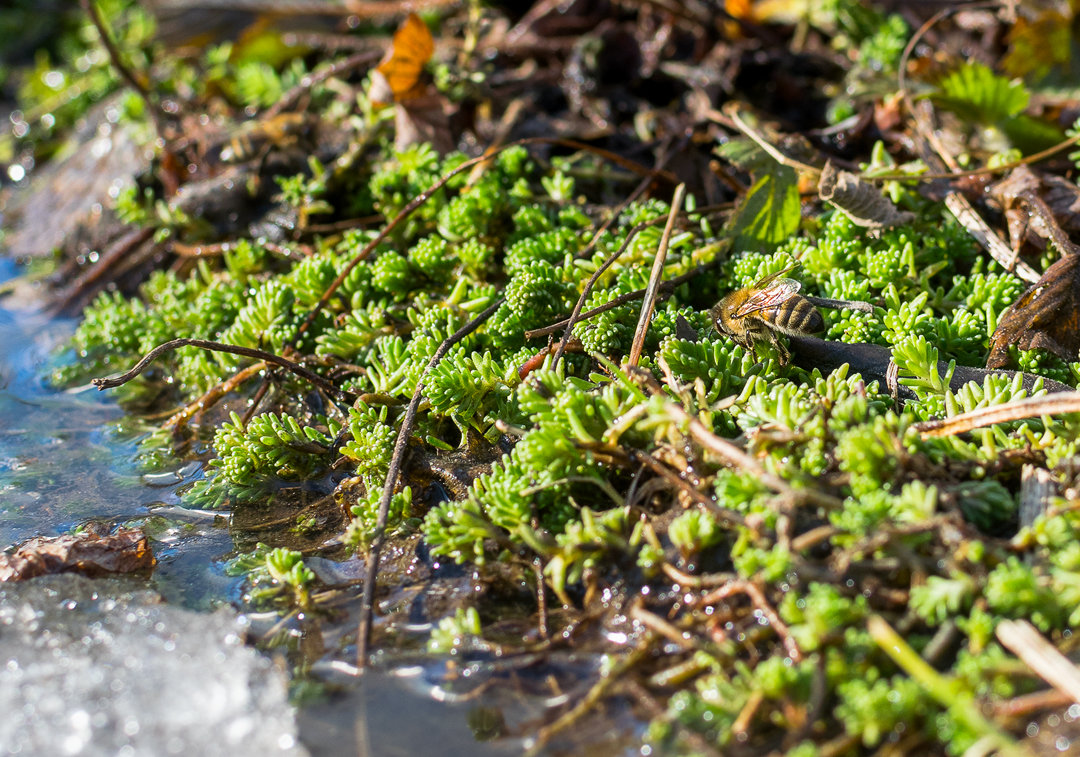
(976, 93)
(769, 213)
(1030, 134)
(745, 154)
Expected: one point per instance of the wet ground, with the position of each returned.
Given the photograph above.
(64, 462)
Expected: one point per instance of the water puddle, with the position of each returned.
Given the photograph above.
(63, 463)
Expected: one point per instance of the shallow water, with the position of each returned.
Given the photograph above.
(62, 463)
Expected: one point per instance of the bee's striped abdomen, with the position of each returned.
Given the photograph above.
(797, 316)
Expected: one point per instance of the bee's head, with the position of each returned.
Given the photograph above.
(723, 314)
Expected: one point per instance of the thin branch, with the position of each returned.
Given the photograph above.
(738, 458)
(587, 290)
(575, 315)
(1027, 704)
(973, 223)
(731, 112)
(233, 349)
(213, 395)
(657, 273)
(666, 287)
(310, 80)
(121, 67)
(758, 600)
(658, 625)
(695, 582)
(725, 514)
(110, 260)
(428, 193)
(1029, 407)
(363, 633)
(1024, 640)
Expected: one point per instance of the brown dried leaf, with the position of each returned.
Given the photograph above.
(1006, 194)
(1012, 195)
(92, 552)
(1063, 198)
(425, 119)
(860, 201)
(1046, 317)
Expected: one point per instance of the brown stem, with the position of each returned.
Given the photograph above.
(1024, 640)
(363, 633)
(335, 69)
(758, 600)
(107, 264)
(667, 286)
(730, 516)
(587, 290)
(428, 193)
(649, 301)
(738, 458)
(215, 393)
(234, 349)
(1029, 407)
(121, 67)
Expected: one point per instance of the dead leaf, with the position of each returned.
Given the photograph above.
(860, 201)
(1046, 317)
(92, 552)
(425, 119)
(1012, 196)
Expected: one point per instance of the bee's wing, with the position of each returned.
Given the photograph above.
(765, 281)
(778, 291)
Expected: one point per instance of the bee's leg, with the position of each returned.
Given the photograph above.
(782, 354)
(784, 357)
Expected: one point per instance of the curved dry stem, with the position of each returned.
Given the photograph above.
(233, 349)
(428, 193)
(758, 600)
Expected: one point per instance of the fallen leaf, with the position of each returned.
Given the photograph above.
(1046, 317)
(860, 201)
(92, 552)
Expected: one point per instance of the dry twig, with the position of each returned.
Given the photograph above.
(757, 598)
(363, 634)
(649, 302)
(1029, 407)
(1025, 641)
(233, 349)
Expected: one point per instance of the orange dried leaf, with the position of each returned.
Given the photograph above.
(402, 66)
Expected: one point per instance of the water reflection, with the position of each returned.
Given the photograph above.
(61, 464)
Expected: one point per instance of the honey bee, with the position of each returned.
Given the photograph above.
(255, 138)
(770, 305)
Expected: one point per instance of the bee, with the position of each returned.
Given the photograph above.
(256, 138)
(770, 305)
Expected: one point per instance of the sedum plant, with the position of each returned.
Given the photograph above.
(865, 518)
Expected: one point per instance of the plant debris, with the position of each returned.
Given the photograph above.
(1045, 317)
(93, 551)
